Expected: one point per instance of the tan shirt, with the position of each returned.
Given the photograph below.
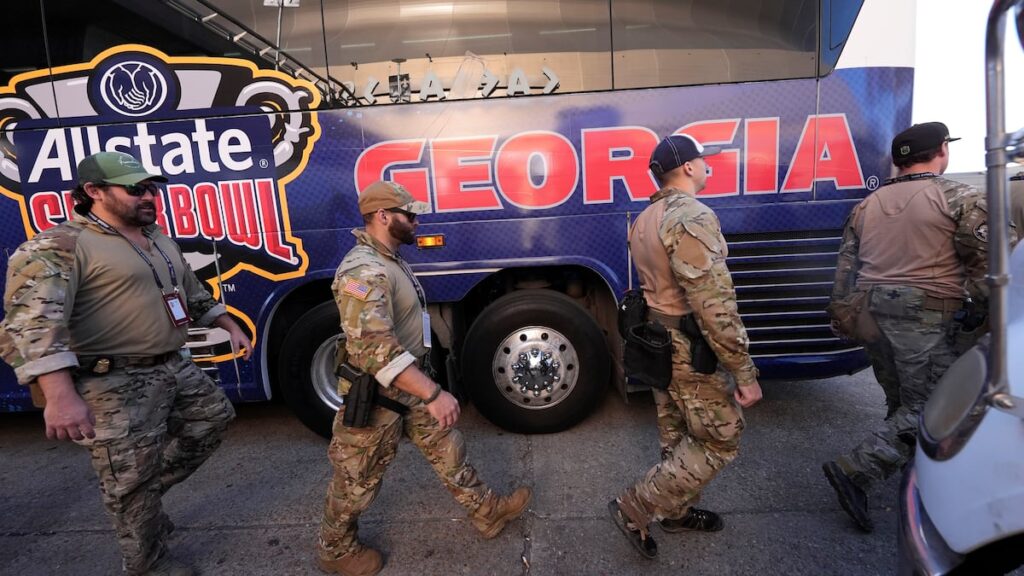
(906, 238)
(379, 301)
(662, 291)
(114, 306)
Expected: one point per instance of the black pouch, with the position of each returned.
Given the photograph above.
(648, 355)
(632, 311)
(702, 357)
(361, 397)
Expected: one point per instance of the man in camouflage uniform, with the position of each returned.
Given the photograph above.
(1017, 202)
(918, 246)
(96, 312)
(387, 330)
(679, 253)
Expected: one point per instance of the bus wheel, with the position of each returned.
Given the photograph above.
(534, 361)
(306, 371)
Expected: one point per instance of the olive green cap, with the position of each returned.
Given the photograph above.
(114, 168)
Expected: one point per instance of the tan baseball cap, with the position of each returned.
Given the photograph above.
(388, 195)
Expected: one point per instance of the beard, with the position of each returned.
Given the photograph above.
(404, 232)
(141, 213)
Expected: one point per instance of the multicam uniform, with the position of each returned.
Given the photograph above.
(381, 306)
(699, 421)
(919, 245)
(77, 294)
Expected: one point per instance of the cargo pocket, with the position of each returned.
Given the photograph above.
(713, 415)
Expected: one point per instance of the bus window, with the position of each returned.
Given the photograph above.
(693, 42)
(80, 31)
(453, 43)
(27, 36)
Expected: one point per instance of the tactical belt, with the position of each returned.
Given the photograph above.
(104, 364)
(666, 320)
(944, 305)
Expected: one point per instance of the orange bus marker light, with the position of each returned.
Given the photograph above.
(430, 241)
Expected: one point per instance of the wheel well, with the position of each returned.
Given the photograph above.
(295, 304)
(580, 283)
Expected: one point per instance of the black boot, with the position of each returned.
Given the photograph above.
(694, 520)
(851, 497)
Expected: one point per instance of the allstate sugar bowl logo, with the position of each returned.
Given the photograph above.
(133, 85)
(133, 88)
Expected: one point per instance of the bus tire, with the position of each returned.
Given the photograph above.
(306, 368)
(535, 361)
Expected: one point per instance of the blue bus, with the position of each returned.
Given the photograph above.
(526, 128)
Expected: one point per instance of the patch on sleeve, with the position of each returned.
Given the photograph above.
(981, 232)
(356, 289)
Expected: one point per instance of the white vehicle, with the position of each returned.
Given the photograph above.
(962, 498)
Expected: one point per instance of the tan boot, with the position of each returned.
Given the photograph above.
(491, 517)
(363, 562)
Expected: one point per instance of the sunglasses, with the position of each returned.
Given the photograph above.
(139, 189)
(410, 216)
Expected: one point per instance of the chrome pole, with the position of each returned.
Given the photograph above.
(995, 160)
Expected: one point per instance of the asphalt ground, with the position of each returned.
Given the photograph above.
(255, 506)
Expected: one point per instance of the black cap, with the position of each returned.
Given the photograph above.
(919, 138)
(676, 150)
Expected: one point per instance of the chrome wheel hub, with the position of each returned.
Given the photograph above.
(535, 367)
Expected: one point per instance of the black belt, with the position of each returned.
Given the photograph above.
(104, 364)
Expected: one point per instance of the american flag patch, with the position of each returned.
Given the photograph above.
(356, 289)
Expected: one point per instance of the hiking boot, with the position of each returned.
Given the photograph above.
(851, 497)
(169, 567)
(695, 520)
(640, 539)
(363, 562)
(490, 519)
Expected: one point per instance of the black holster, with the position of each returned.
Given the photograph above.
(702, 357)
(363, 395)
(647, 357)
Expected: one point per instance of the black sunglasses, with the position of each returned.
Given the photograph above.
(139, 189)
(411, 216)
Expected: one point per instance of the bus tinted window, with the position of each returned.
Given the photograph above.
(685, 42)
(79, 31)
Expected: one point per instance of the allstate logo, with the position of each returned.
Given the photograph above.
(133, 88)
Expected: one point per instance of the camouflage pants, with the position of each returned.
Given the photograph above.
(360, 456)
(154, 427)
(917, 350)
(699, 428)
(882, 364)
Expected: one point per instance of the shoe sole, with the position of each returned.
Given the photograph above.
(633, 537)
(508, 517)
(864, 524)
(716, 528)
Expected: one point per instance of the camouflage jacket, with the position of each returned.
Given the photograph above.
(35, 335)
(692, 237)
(968, 209)
(381, 305)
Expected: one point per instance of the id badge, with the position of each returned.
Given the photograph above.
(176, 308)
(426, 329)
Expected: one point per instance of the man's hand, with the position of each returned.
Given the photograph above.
(747, 396)
(445, 408)
(68, 417)
(239, 341)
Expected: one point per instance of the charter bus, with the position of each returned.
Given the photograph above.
(527, 127)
